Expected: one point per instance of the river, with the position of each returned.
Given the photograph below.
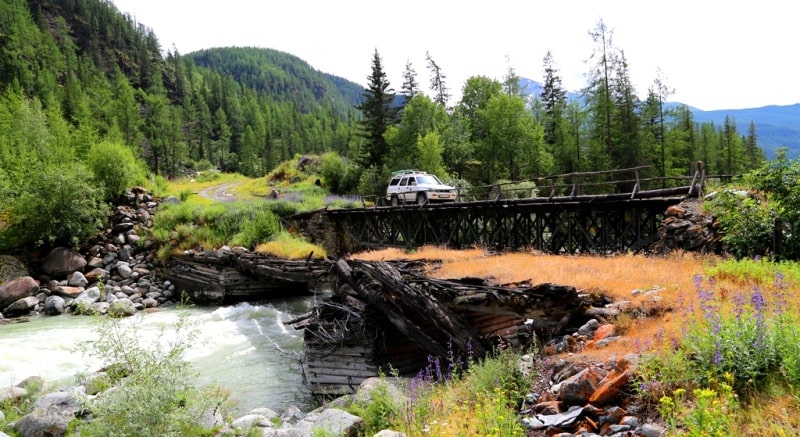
(247, 349)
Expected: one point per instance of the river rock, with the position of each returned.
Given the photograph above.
(12, 393)
(392, 387)
(54, 305)
(61, 262)
(21, 307)
(97, 274)
(124, 270)
(51, 414)
(77, 279)
(11, 268)
(16, 289)
(244, 424)
(67, 291)
(334, 421)
(122, 308)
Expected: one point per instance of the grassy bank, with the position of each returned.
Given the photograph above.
(720, 346)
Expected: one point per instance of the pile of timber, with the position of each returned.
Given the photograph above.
(231, 275)
(383, 318)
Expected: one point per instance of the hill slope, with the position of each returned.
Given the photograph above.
(282, 76)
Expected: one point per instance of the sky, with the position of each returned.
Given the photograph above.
(714, 54)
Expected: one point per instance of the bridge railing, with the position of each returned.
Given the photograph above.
(634, 182)
(620, 181)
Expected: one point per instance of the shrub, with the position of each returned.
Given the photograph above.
(58, 207)
(153, 394)
(115, 167)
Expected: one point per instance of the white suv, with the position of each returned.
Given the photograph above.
(418, 186)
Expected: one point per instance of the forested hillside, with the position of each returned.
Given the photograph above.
(83, 85)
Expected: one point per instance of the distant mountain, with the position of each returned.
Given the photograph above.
(776, 126)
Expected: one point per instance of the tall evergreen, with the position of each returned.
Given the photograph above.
(599, 97)
(438, 85)
(378, 114)
(554, 98)
(410, 86)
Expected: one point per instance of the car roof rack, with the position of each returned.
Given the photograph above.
(402, 172)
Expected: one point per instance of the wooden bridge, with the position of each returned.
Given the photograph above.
(597, 212)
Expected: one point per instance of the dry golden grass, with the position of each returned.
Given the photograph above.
(614, 276)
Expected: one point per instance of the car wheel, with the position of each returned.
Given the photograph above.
(421, 198)
(395, 200)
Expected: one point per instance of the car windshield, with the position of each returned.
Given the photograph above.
(428, 180)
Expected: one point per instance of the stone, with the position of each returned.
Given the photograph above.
(122, 308)
(16, 289)
(12, 393)
(588, 328)
(54, 305)
(566, 419)
(50, 415)
(612, 385)
(77, 279)
(580, 387)
(66, 291)
(21, 307)
(11, 268)
(651, 430)
(333, 420)
(97, 275)
(548, 407)
(392, 387)
(61, 262)
(124, 270)
(243, 424)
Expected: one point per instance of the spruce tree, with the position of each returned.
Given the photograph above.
(554, 98)
(378, 114)
(438, 86)
(410, 86)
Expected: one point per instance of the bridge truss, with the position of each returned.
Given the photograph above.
(596, 225)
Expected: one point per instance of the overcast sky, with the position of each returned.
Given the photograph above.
(714, 54)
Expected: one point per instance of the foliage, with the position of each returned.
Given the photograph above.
(58, 207)
(287, 246)
(763, 218)
(747, 223)
(710, 415)
(468, 399)
(11, 409)
(153, 394)
(115, 167)
(189, 225)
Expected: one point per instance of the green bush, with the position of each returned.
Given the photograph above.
(60, 206)
(153, 395)
(115, 167)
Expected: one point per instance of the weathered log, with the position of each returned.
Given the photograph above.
(392, 314)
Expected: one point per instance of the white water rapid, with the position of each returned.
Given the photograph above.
(247, 349)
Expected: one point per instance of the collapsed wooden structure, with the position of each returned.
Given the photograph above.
(385, 318)
(232, 275)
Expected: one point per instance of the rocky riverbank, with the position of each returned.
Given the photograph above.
(115, 272)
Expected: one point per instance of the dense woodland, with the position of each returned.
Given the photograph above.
(82, 85)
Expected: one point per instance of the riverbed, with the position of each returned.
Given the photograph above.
(247, 349)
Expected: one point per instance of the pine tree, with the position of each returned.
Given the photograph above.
(554, 98)
(378, 114)
(438, 86)
(410, 86)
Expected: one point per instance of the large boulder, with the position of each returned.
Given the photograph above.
(17, 289)
(62, 262)
(21, 307)
(51, 414)
(11, 268)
